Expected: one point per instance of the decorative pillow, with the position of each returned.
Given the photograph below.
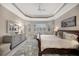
(70, 36)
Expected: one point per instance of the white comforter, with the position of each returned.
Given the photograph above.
(52, 41)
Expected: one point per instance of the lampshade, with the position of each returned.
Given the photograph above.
(56, 29)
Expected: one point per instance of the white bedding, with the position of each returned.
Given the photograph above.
(52, 41)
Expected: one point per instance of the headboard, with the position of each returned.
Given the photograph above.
(76, 32)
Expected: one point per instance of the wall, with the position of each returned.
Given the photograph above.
(4, 16)
(32, 31)
(72, 12)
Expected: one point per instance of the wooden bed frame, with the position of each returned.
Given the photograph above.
(58, 50)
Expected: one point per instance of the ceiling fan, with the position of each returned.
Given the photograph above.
(40, 7)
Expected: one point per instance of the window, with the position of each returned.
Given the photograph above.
(40, 27)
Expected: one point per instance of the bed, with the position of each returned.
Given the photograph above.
(52, 44)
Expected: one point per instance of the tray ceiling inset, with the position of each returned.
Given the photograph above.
(39, 10)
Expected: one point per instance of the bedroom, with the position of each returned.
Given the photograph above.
(35, 29)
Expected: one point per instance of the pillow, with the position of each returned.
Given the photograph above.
(60, 34)
(70, 36)
(74, 36)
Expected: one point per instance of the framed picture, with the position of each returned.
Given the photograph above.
(69, 22)
(11, 27)
(16, 28)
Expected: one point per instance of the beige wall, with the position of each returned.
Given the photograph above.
(73, 12)
(4, 16)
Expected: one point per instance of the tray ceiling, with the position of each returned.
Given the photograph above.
(39, 10)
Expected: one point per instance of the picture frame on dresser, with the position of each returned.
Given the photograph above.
(69, 22)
